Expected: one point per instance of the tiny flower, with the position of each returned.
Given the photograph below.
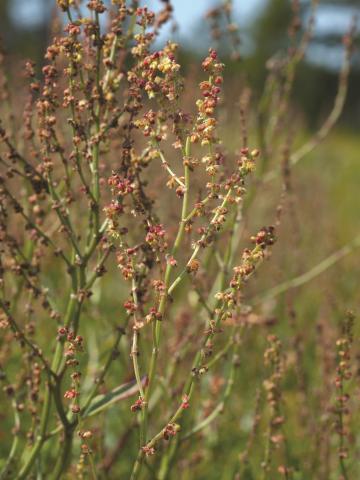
(148, 450)
(71, 394)
(170, 430)
(171, 261)
(85, 435)
(75, 409)
(138, 405)
(185, 402)
(193, 266)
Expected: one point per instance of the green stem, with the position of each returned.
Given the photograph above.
(157, 324)
(55, 366)
(63, 460)
(178, 280)
(7, 470)
(328, 262)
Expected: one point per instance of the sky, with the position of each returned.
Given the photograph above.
(188, 14)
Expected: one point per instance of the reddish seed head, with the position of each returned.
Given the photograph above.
(185, 402)
(213, 54)
(71, 394)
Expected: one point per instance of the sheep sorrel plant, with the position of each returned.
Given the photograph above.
(128, 338)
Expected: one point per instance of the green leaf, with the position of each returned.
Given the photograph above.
(101, 402)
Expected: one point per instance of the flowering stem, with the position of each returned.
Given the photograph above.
(158, 323)
(178, 280)
(220, 407)
(4, 473)
(71, 313)
(96, 144)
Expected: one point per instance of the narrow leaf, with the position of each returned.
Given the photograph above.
(101, 402)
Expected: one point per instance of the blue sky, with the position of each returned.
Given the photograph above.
(188, 14)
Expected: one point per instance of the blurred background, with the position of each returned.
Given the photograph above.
(263, 26)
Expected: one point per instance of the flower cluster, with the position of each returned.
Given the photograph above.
(343, 376)
(251, 258)
(156, 73)
(138, 405)
(124, 262)
(204, 130)
(170, 430)
(120, 186)
(273, 359)
(156, 237)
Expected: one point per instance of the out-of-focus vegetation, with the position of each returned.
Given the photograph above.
(263, 36)
(280, 398)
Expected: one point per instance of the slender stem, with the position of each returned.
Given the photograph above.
(190, 384)
(96, 141)
(220, 407)
(100, 379)
(5, 472)
(178, 280)
(168, 169)
(64, 218)
(35, 349)
(56, 363)
(157, 324)
(63, 460)
(33, 225)
(329, 123)
(92, 466)
(309, 275)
